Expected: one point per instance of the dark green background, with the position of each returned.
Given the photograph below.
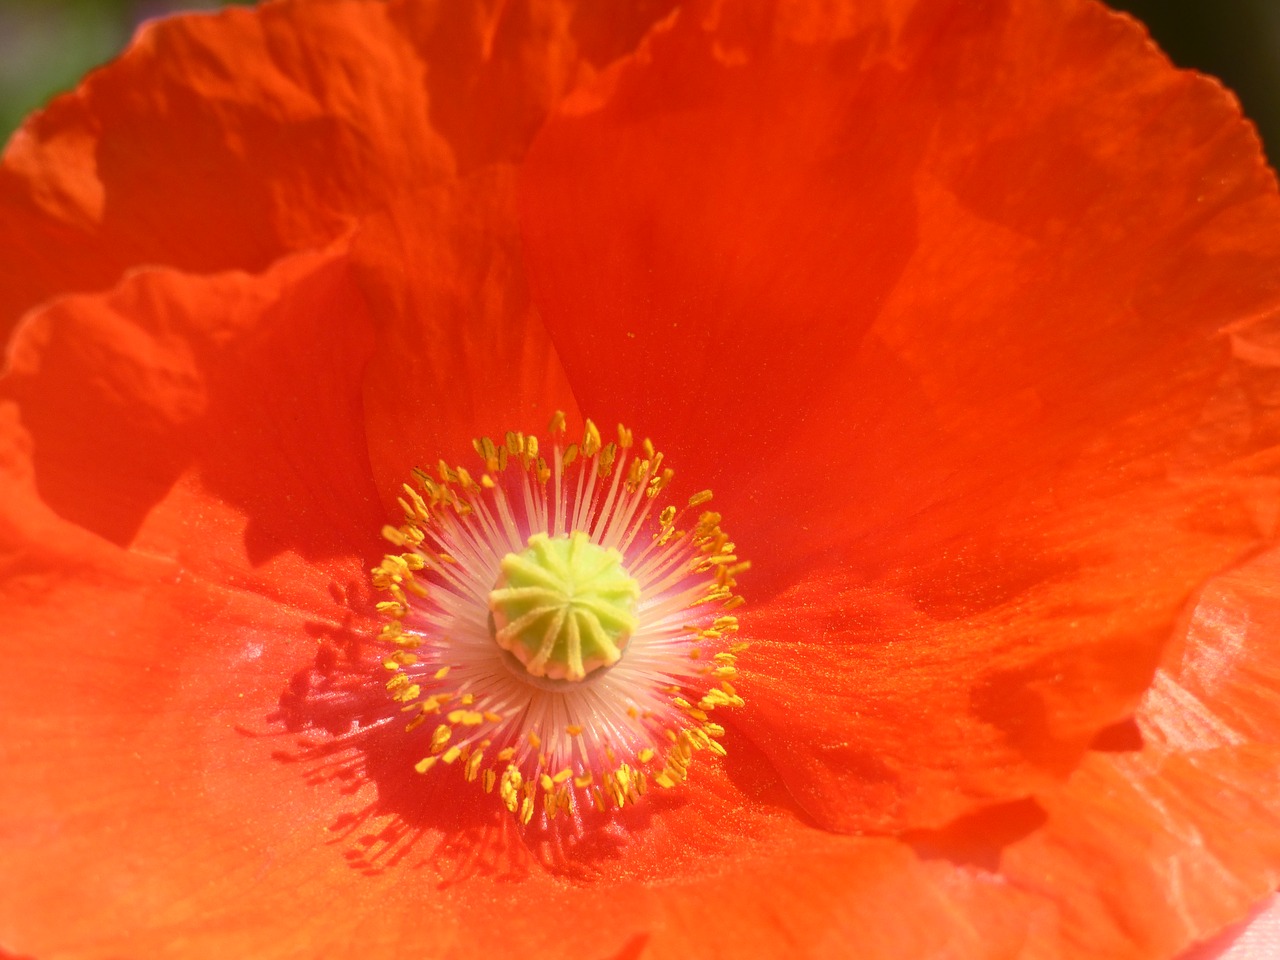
(46, 45)
(1237, 41)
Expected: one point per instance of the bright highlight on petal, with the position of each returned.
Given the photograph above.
(554, 634)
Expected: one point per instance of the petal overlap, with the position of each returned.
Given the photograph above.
(458, 340)
(304, 117)
(1164, 820)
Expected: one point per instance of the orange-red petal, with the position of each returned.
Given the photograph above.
(150, 407)
(459, 351)
(1149, 850)
(1256, 938)
(224, 141)
(938, 307)
(198, 148)
(148, 807)
(145, 813)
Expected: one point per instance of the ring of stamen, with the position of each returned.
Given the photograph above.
(616, 613)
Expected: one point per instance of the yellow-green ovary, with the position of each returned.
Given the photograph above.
(565, 606)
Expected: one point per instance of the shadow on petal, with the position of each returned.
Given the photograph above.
(977, 839)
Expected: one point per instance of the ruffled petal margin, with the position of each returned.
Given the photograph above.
(224, 141)
(103, 179)
(1146, 850)
(1257, 938)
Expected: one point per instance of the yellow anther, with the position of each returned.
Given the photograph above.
(440, 737)
(407, 693)
(606, 459)
(509, 789)
(486, 449)
(590, 440)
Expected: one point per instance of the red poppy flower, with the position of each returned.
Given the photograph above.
(967, 313)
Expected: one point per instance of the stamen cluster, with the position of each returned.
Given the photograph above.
(591, 739)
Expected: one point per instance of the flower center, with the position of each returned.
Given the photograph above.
(564, 607)
(512, 600)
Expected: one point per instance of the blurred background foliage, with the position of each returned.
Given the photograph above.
(46, 45)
